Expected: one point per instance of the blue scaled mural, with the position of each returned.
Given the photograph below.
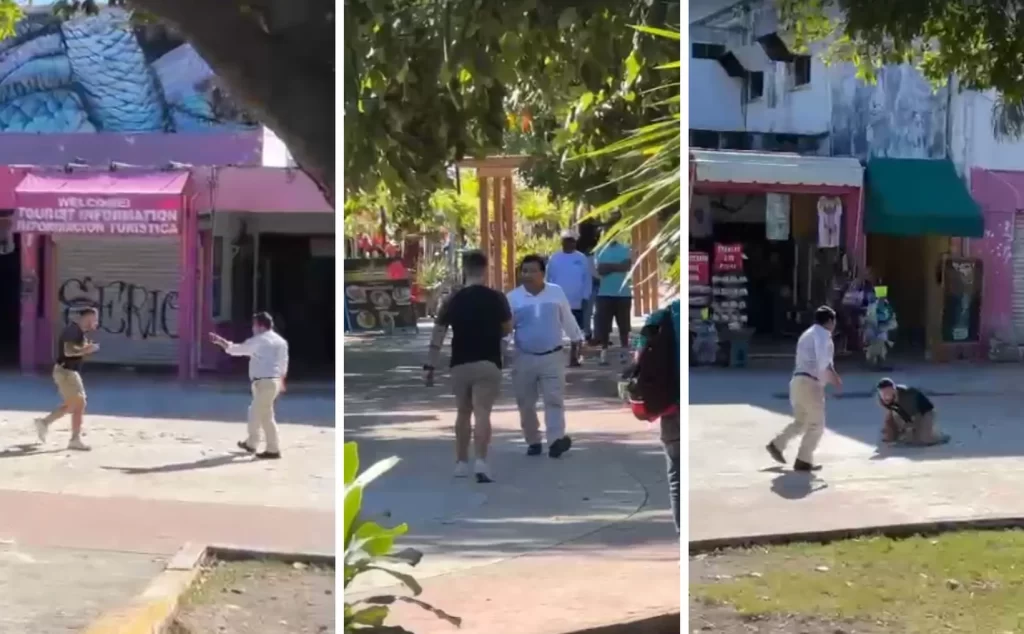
(103, 74)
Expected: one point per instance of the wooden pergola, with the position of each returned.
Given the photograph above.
(497, 216)
(497, 232)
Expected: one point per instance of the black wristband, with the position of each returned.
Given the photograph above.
(428, 368)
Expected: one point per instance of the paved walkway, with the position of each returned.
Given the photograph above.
(736, 490)
(164, 470)
(550, 546)
(61, 591)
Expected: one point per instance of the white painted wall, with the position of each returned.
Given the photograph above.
(715, 98)
(784, 108)
(974, 143)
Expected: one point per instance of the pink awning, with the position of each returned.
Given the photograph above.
(102, 203)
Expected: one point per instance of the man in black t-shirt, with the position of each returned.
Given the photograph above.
(908, 415)
(72, 348)
(480, 318)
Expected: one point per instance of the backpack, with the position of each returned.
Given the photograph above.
(652, 382)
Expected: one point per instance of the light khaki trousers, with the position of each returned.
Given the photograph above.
(261, 414)
(807, 397)
(476, 386)
(543, 376)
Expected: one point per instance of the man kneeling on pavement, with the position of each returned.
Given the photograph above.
(909, 416)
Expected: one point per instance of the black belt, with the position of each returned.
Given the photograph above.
(266, 378)
(806, 374)
(544, 354)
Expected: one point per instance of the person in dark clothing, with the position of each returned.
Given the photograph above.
(479, 318)
(909, 416)
(73, 347)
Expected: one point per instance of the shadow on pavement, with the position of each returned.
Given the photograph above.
(20, 451)
(205, 463)
(145, 397)
(981, 426)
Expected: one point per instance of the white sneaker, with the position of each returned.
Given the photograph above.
(603, 359)
(482, 471)
(461, 469)
(41, 429)
(77, 445)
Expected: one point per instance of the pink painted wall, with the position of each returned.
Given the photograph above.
(268, 189)
(1000, 195)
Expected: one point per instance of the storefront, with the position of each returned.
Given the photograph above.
(771, 232)
(126, 242)
(918, 216)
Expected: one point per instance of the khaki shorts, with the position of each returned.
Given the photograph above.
(69, 383)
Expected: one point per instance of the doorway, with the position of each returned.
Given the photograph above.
(296, 286)
(10, 299)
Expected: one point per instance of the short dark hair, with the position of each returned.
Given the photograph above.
(533, 257)
(824, 315)
(263, 320)
(474, 260)
(886, 382)
(88, 310)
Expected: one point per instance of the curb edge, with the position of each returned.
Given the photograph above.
(153, 611)
(896, 531)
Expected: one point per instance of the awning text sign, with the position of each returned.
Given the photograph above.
(98, 215)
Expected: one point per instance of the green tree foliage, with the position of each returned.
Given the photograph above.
(978, 41)
(274, 57)
(429, 83)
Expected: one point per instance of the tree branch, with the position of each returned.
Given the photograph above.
(263, 70)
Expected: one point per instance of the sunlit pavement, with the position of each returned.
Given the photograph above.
(737, 490)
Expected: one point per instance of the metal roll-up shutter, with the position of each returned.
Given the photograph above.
(133, 282)
(1018, 277)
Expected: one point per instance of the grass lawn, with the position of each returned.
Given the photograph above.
(957, 582)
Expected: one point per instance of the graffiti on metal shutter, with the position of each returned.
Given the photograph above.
(126, 309)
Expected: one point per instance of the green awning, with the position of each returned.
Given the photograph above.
(917, 197)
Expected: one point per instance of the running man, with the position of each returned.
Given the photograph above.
(814, 368)
(540, 314)
(480, 319)
(72, 348)
(268, 369)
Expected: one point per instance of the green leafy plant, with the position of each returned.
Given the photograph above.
(650, 188)
(371, 547)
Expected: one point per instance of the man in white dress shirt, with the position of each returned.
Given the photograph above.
(540, 314)
(268, 368)
(814, 368)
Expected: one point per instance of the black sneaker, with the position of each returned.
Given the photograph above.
(534, 450)
(269, 455)
(800, 465)
(560, 446)
(244, 447)
(774, 452)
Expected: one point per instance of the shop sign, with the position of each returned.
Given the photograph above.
(830, 221)
(700, 268)
(777, 209)
(99, 215)
(728, 258)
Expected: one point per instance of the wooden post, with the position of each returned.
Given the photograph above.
(510, 224)
(485, 234)
(500, 236)
(638, 289)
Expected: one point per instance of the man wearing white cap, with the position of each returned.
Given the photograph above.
(570, 270)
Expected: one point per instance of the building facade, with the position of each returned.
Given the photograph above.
(955, 190)
(129, 182)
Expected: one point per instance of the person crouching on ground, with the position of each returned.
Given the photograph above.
(909, 416)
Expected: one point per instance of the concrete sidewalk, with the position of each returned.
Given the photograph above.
(60, 591)
(164, 471)
(737, 491)
(551, 545)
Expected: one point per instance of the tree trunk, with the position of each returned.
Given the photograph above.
(290, 94)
